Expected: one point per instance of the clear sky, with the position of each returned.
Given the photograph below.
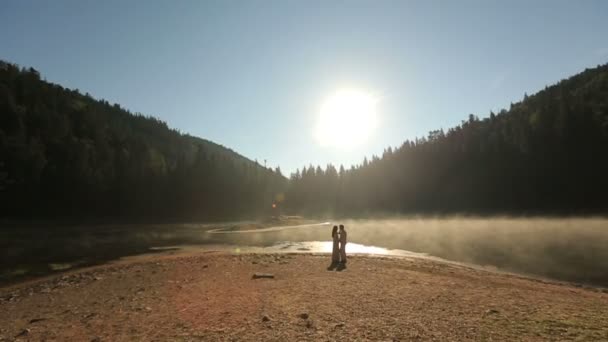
(253, 75)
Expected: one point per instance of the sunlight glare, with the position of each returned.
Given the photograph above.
(347, 119)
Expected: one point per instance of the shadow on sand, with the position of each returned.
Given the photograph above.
(337, 266)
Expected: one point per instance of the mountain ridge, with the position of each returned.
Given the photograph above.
(545, 154)
(66, 154)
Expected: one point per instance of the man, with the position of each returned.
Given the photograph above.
(342, 244)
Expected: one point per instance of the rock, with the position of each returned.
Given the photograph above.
(491, 311)
(24, 332)
(339, 325)
(34, 320)
(96, 339)
(304, 315)
(263, 275)
(265, 319)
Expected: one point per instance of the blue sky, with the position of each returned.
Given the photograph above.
(252, 75)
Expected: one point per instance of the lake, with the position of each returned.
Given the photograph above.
(571, 249)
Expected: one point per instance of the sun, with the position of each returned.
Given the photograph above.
(347, 119)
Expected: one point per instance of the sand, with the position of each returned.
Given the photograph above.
(211, 296)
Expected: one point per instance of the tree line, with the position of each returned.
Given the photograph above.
(546, 154)
(65, 154)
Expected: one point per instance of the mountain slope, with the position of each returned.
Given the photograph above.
(66, 154)
(546, 154)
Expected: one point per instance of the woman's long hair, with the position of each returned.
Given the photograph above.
(334, 231)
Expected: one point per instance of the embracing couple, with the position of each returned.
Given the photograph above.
(338, 254)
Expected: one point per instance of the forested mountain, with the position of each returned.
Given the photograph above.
(546, 154)
(64, 154)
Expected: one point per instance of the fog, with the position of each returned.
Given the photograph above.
(572, 249)
(569, 249)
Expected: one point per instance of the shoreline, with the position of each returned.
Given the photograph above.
(177, 251)
(564, 250)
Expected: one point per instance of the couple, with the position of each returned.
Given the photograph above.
(338, 254)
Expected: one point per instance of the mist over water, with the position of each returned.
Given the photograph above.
(572, 249)
(567, 249)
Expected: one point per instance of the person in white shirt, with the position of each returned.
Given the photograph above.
(335, 252)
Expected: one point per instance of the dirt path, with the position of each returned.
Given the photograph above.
(181, 296)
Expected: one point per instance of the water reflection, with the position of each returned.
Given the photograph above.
(312, 247)
(326, 247)
(231, 230)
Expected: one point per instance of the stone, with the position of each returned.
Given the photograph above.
(89, 315)
(304, 315)
(34, 320)
(265, 319)
(263, 275)
(24, 332)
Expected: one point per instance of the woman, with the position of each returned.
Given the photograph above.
(335, 252)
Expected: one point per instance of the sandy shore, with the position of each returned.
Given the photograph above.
(191, 296)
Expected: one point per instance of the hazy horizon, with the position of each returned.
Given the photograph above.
(270, 67)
